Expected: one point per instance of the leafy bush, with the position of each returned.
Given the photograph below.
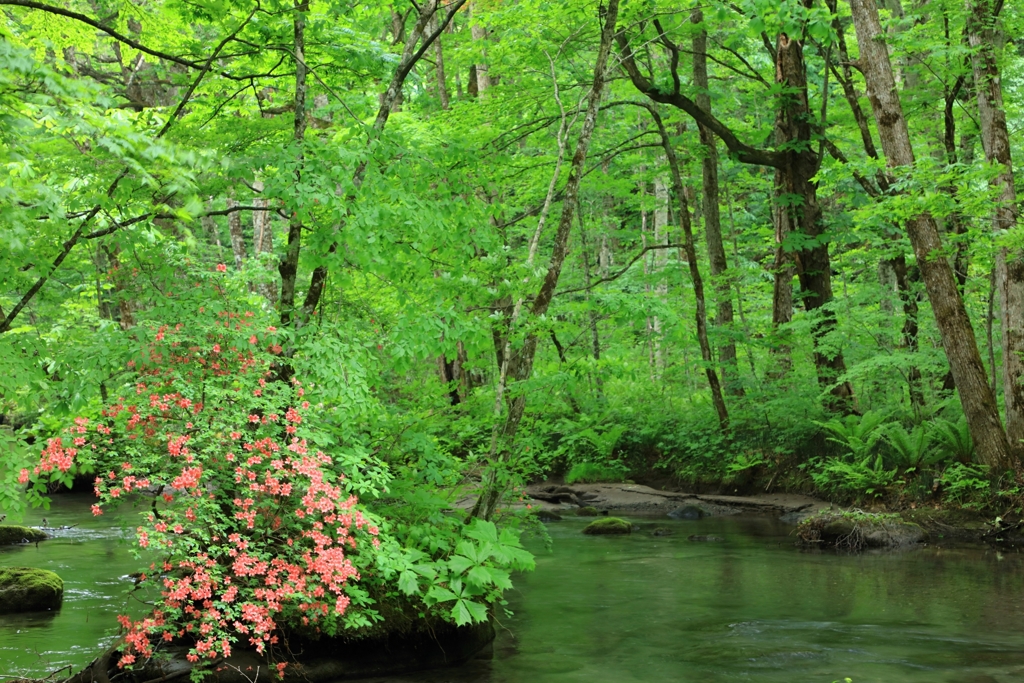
(592, 473)
(256, 520)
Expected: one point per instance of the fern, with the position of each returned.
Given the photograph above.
(954, 439)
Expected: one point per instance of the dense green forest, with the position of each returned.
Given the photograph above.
(342, 278)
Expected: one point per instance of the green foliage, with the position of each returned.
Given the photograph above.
(860, 477)
(593, 473)
(858, 434)
(967, 485)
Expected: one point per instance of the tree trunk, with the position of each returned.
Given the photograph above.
(289, 267)
(690, 253)
(521, 367)
(904, 279)
(984, 36)
(235, 231)
(595, 339)
(797, 195)
(263, 242)
(658, 261)
(442, 83)
(479, 34)
(955, 327)
(782, 294)
(712, 215)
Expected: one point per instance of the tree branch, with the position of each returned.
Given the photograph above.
(742, 151)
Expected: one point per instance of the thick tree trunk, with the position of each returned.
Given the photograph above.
(521, 366)
(797, 195)
(712, 215)
(954, 325)
(690, 253)
(984, 36)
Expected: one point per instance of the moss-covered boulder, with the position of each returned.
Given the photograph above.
(588, 511)
(855, 530)
(607, 526)
(11, 534)
(23, 589)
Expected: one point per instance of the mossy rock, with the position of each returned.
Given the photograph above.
(588, 511)
(23, 589)
(607, 526)
(11, 534)
(855, 530)
(547, 515)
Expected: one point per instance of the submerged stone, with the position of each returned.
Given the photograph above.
(661, 531)
(11, 534)
(688, 512)
(547, 516)
(608, 525)
(705, 539)
(24, 589)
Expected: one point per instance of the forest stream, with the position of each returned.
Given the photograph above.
(613, 609)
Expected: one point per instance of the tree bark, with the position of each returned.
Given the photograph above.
(799, 211)
(984, 36)
(289, 267)
(954, 325)
(235, 232)
(442, 82)
(263, 241)
(479, 34)
(521, 366)
(712, 214)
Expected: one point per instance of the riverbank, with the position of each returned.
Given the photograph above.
(943, 526)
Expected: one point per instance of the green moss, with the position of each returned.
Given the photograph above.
(854, 530)
(10, 534)
(588, 511)
(24, 589)
(608, 525)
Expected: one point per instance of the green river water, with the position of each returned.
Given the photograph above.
(642, 608)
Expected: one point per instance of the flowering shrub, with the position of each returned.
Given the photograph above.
(253, 527)
(252, 520)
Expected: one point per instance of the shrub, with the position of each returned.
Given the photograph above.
(254, 522)
(592, 473)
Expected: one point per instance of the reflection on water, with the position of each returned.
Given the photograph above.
(644, 608)
(94, 563)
